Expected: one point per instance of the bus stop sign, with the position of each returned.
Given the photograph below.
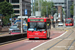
(25, 11)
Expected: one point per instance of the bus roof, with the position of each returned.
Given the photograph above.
(69, 18)
(34, 19)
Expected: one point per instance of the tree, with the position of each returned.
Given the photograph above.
(44, 7)
(6, 9)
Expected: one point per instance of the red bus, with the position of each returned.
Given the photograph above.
(69, 22)
(38, 28)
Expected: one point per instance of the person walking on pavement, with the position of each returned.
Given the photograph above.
(53, 24)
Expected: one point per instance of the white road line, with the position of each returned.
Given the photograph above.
(49, 41)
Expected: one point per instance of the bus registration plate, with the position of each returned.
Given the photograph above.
(36, 37)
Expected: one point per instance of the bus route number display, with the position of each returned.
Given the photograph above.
(36, 19)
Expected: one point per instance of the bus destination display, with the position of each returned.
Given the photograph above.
(36, 19)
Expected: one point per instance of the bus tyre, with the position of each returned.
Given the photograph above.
(30, 38)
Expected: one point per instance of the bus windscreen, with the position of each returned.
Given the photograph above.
(36, 26)
(68, 21)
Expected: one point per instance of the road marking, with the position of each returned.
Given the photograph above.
(49, 40)
(13, 42)
(66, 30)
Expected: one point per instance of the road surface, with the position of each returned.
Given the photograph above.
(65, 42)
(27, 44)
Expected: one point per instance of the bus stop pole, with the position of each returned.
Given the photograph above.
(21, 14)
(32, 7)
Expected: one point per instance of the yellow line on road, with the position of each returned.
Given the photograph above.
(4, 34)
(66, 30)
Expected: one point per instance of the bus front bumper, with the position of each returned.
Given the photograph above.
(37, 37)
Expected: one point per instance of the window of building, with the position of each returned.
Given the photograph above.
(15, 1)
(59, 3)
(4, 0)
(15, 6)
(1, 0)
(63, 7)
(16, 11)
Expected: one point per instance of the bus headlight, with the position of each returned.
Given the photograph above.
(44, 32)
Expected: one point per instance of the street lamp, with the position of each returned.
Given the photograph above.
(32, 8)
(67, 8)
(21, 14)
(51, 12)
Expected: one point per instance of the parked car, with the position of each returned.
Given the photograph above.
(13, 28)
(15, 25)
(17, 21)
(15, 32)
(60, 24)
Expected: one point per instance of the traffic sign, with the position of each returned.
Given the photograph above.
(25, 11)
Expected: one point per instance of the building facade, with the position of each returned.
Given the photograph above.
(32, 1)
(26, 4)
(66, 4)
(56, 3)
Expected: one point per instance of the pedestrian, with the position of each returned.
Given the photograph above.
(53, 24)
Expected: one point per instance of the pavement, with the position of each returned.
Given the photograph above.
(65, 42)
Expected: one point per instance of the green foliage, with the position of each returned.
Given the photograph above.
(72, 10)
(6, 20)
(63, 12)
(6, 9)
(43, 7)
